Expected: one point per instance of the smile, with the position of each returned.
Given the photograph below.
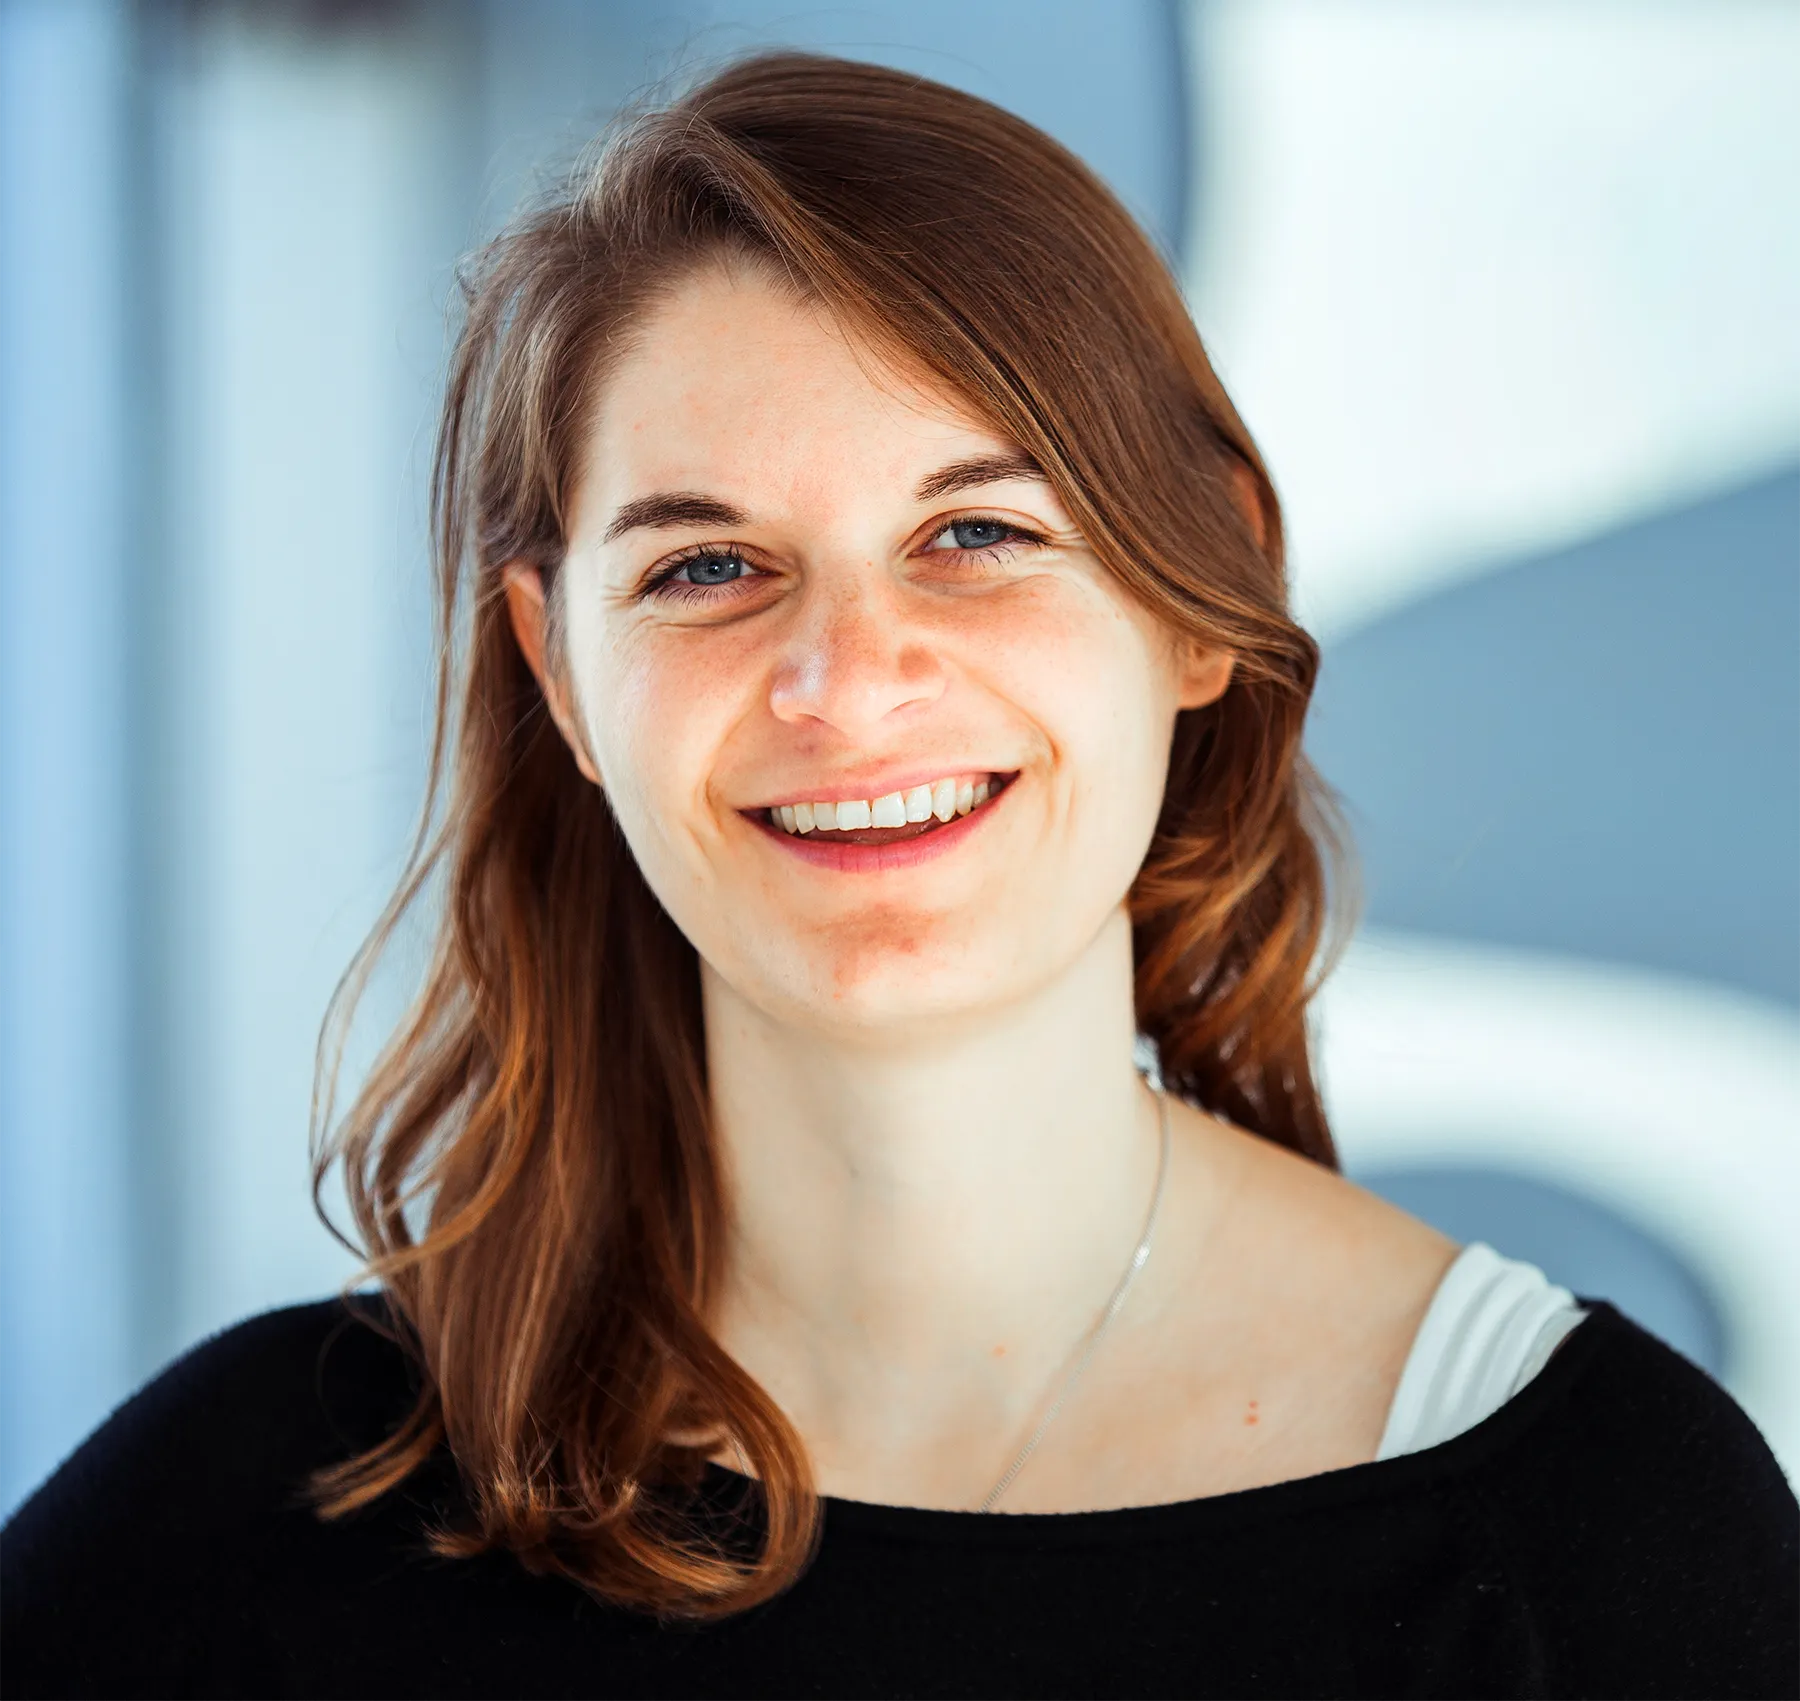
(920, 807)
(893, 830)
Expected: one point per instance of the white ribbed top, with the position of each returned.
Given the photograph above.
(1491, 1326)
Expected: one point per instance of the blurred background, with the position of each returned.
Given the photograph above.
(1510, 294)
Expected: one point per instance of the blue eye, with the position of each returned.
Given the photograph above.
(979, 534)
(694, 577)
(713, 569)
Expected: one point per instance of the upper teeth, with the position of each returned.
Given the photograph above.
(944, 798)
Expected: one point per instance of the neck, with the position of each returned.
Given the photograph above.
(921, 1233)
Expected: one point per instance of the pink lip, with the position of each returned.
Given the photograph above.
(826, 850)
(878, 782)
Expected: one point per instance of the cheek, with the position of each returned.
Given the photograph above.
(658, 706)
(1086, 671)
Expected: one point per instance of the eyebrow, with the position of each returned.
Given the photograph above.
(978, 469)
(667, 508)
(673, 508)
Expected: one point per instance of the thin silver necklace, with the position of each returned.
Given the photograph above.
(1113, 1307)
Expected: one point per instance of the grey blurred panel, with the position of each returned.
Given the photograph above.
(66, 397)
(1596, 752)
(1107, 80)
(305, 226)
(549, 75)
(1576, 1241)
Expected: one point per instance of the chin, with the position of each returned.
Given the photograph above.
(903, 985)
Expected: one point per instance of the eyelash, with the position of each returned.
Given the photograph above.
(664, 587)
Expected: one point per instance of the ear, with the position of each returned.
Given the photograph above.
(1205, 675)
(1246, 490)
(525, 606)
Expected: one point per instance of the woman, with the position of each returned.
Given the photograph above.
(878, 707)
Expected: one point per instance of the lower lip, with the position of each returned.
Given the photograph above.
(825, 851)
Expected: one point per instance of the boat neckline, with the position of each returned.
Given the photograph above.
(1374, 1479)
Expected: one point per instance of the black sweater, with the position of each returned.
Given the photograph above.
(1618, 1529)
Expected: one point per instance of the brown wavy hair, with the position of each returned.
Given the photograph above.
(530, 1166)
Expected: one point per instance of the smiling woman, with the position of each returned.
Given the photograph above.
(861, 606)
(869, 719)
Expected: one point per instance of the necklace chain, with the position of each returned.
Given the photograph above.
(1113, 1307)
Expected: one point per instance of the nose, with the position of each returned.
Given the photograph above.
(855, 663)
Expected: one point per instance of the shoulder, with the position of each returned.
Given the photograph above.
(1645, 1517)
(173, 1506)
(1299, 1224)
(1639, 1437)
(1276, 1317)
(281, 1393)
(1335, 1279)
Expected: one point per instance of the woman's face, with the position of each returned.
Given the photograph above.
(797, 577)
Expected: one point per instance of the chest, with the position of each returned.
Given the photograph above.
(1402, 1600)
(1176, 1418)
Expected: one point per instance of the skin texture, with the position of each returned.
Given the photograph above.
(939, 1154)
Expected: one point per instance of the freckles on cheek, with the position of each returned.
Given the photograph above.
(1070, 659)
(670, 701)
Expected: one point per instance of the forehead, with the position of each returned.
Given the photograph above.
(734, 384)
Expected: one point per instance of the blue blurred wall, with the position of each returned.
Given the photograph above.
(1594, 752)
(227, 238)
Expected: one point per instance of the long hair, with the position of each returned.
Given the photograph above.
(530, 1165)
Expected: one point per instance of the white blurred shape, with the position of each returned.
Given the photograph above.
(66, 506)
(1486, 278)
(1675, 1102)
(304, 176)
